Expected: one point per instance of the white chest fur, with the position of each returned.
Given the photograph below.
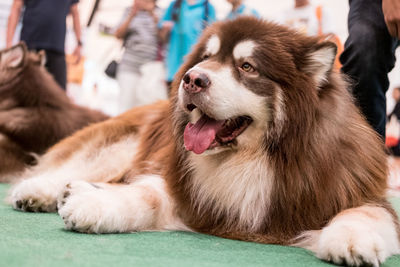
(238, 187)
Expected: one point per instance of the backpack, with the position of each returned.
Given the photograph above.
(177, 7)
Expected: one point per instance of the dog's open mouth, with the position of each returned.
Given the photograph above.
(208, 133)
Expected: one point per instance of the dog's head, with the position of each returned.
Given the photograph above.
(244, 79)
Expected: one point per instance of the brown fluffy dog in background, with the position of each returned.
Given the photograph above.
(35, 113)
(261, 142)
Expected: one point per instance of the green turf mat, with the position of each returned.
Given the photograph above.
(33, 239)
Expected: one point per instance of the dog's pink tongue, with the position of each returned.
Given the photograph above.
(199, 137)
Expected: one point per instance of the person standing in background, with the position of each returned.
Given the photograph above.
(308, 18)
(139, 32)
(182, 24)
(313, 20)
(44, 28)
(393, 125)
(240, 9)
(396, 98)
(369, 55)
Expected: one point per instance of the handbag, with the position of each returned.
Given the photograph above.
(111, 69)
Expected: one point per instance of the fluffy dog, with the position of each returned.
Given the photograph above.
(260, 142)
(34, 111)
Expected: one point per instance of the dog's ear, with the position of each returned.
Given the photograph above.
(320, 60)
(13, 57)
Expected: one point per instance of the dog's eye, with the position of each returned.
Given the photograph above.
(206, 56)
(247, 67)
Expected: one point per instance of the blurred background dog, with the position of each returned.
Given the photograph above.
(34, 112)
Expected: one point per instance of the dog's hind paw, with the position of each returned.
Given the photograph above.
(34, 195)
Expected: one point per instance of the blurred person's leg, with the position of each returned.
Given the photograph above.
(56, 65)
(127, 81)
(395, 150)
(368, 58)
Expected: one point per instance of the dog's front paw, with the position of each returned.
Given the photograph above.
(34, 195)
(351, 245)
(86, 208)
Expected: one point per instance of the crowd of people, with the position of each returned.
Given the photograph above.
(146, 32)
(149, 34)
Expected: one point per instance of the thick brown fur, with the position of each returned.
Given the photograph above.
(326, 158)
(149, 123)
(313, 159)
(35, 112)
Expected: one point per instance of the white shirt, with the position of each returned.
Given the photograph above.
(305, 20)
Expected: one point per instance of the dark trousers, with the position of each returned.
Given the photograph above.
(368, 57)
(55, 64)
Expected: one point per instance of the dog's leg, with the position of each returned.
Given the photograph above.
(92, 162)
(112, 208)
(366, 235)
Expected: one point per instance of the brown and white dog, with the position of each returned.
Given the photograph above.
(261, 142)
(35, 113)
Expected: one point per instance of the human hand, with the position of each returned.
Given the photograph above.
(165, 31)
(77, 54)
(8, 44)
(391, 13)
(168, 25)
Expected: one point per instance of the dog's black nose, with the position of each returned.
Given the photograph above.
(195, 82)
